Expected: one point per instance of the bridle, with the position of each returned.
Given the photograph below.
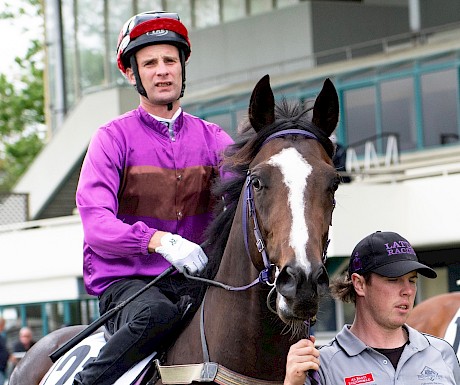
(249, 210)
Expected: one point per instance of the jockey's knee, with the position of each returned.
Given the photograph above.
(158, 318)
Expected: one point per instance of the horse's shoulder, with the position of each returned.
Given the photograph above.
(444, 299)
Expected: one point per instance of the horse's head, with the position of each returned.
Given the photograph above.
(291, 186)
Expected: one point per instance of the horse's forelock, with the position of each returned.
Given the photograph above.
(298, 116)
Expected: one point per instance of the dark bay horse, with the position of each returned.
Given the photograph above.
(279, 200)
(440, 317)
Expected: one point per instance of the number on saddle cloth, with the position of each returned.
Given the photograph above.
(453, 333)
(64, 370)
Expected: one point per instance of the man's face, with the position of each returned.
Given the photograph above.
(25, 336)
(160, 71)
(389, 301)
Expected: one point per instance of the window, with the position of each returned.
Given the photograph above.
(183, 8)
(90, 39)
(119, 13)
(360, 114)
(147, 5)
(70, 53)
(439, 91)
(233, 10)
(206, 13)
(398, 111)
(260, 6)
(285, 3)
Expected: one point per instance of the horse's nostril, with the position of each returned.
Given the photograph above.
(322, 278)
(286, 283)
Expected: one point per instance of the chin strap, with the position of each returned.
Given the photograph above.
(140, 88)
(182, 61)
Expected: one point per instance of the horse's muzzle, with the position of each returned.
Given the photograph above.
(300, 292)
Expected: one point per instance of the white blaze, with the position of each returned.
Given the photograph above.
(295, 170)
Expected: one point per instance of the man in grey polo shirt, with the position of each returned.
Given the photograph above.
(378, 348)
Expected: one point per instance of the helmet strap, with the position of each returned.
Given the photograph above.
(182, 61)
(140, 88)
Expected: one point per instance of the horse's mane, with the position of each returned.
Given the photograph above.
(237, 158)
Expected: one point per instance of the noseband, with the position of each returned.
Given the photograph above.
(249, 209)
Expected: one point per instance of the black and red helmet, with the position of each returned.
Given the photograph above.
(149, 28)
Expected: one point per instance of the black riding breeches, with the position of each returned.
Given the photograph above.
(147, 324)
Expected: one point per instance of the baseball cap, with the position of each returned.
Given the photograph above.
(387, 254)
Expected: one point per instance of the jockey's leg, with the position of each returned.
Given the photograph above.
(143, 326)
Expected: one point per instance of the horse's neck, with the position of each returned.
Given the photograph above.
(242, 333)
(236, 267)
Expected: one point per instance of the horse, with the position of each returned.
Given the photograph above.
(439, 316)
(267, 247)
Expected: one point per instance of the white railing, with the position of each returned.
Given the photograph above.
(392, 167)
(41, 223)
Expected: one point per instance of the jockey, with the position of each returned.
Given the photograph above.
(144, 197)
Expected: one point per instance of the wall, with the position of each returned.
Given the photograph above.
(281, 41)
(422, 210)
(250, 43)
(438, 12)
(338, 25)
(41, 263)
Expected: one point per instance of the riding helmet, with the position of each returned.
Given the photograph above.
(149, 28)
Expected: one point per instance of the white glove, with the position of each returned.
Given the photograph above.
(182, 254)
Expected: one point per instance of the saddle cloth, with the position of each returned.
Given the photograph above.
(64, 370)
(453, 333)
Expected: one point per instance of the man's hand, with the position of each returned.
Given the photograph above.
(302, 356)
(182, 254)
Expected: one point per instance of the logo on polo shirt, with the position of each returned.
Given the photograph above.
(359, 379)
(429, 374)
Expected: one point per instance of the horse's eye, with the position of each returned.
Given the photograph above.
(256, 183)
(335, 185)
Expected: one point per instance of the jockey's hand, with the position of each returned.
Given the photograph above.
(182, 254)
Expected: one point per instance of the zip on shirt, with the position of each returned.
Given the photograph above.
(170, 125)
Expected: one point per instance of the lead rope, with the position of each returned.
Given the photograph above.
(312, 374)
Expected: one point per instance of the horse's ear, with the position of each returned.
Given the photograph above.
(262, 104)
(326, 108)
